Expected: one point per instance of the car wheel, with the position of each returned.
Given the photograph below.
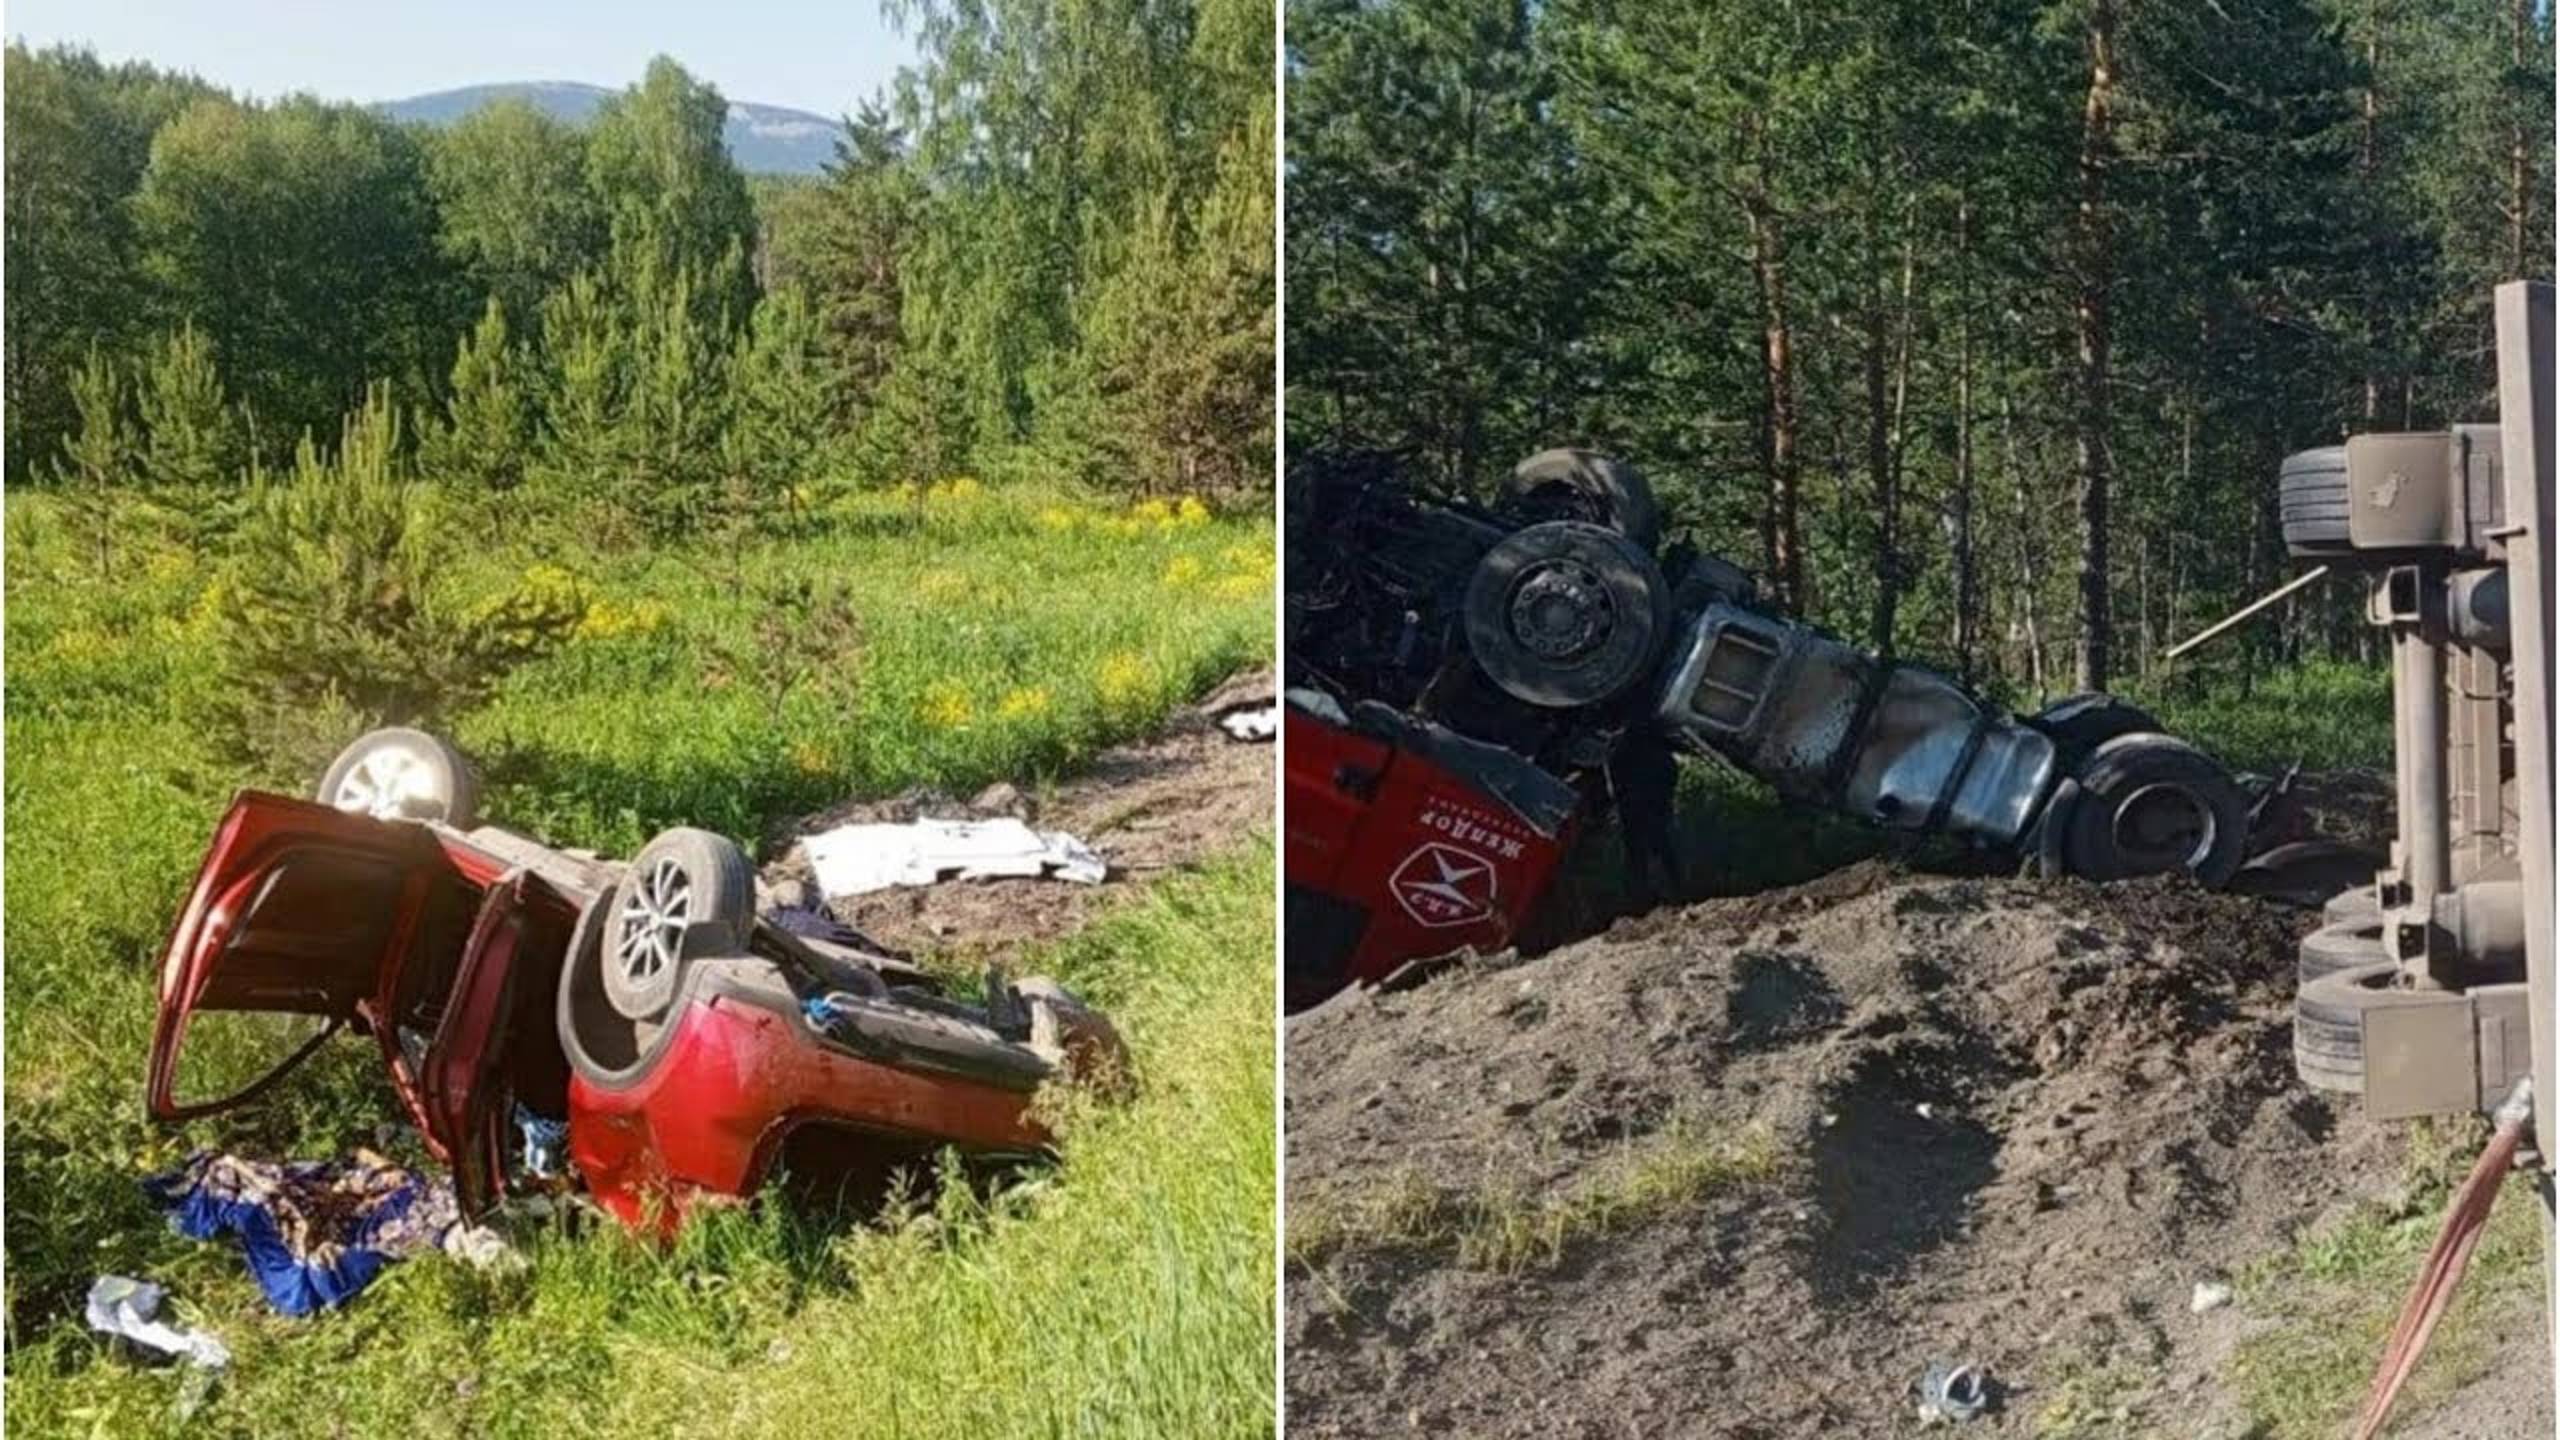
(688, 893)
(2150, 804)
(2078, 724)
(403, 774)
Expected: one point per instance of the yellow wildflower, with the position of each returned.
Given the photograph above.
(1183, 570)
(1123, 678)
(1191, 511)
(946, 706)
(809, 759)
(1023, 703)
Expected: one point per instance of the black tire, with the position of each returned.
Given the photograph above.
(2150, 804)
(403, 774)
(689, 893)
(2078, 724)
(1564, 614)
(1617, 492)
(2312, 501)
(2333, 948)
(2328, 1026)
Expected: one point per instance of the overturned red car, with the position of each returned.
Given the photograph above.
(684, 1025)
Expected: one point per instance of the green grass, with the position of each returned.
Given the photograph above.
(2330, 1299)
(2322, 714)
(1003, 636)
(1505, 1229)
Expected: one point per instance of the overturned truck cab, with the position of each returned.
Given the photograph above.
(1527, 663)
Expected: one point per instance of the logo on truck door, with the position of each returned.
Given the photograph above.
(1443, 885)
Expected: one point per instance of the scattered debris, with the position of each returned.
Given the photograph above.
(1252, 724)
(546, 1144)
(858, 859)
(123, 1306)
(482, 1248)
(1952, 1394)
(2209, 1295)
(315, 1233)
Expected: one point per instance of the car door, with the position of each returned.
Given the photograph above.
(296, 914)
(462, 1091)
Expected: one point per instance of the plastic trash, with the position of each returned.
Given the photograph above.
(1952, 1393)
(1252, 723)
(122, 1305)
(858, 859)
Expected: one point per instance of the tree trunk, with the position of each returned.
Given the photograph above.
(1965, 584)
(1778, 525)
(2095, 277)
(2519, 166)
(2368, 156)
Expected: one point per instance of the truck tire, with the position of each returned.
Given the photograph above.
(2344, 946)
(1564, 614)
(2328, 1026)
(2150, 804)
(1618, 492)
(2078, 724)
(2312, 501)
(688, 893)
(403, 774)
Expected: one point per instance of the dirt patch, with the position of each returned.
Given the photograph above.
(2016, 1121)
(1158, 805)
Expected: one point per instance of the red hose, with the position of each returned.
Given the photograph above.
(2451, 1255)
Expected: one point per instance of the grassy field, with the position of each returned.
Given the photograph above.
(999, 636)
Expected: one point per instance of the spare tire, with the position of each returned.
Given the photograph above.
(1617, 494)
(689, 893)
(2312, 501)
(1564, 614)
(2150, 804)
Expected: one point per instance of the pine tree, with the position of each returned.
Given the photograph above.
(779, 407)
(191, 438)
(488, 416)
(97, 460)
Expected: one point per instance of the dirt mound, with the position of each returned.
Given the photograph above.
(2011, 1122)
(1157, 805)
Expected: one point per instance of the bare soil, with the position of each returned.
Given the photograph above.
(1161, 804)
(2019, 1121)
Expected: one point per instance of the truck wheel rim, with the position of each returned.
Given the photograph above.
(2164, 823)
(654, 916)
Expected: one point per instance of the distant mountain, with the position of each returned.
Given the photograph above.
(763, 139)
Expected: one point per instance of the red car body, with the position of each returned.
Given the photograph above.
(454, 950)
(1406, 842)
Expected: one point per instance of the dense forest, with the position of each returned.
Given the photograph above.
(1046, 251)
(1977, 328)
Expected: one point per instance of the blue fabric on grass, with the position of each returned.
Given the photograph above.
(315, 1233)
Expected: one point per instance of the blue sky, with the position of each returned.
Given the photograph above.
(805, 53)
